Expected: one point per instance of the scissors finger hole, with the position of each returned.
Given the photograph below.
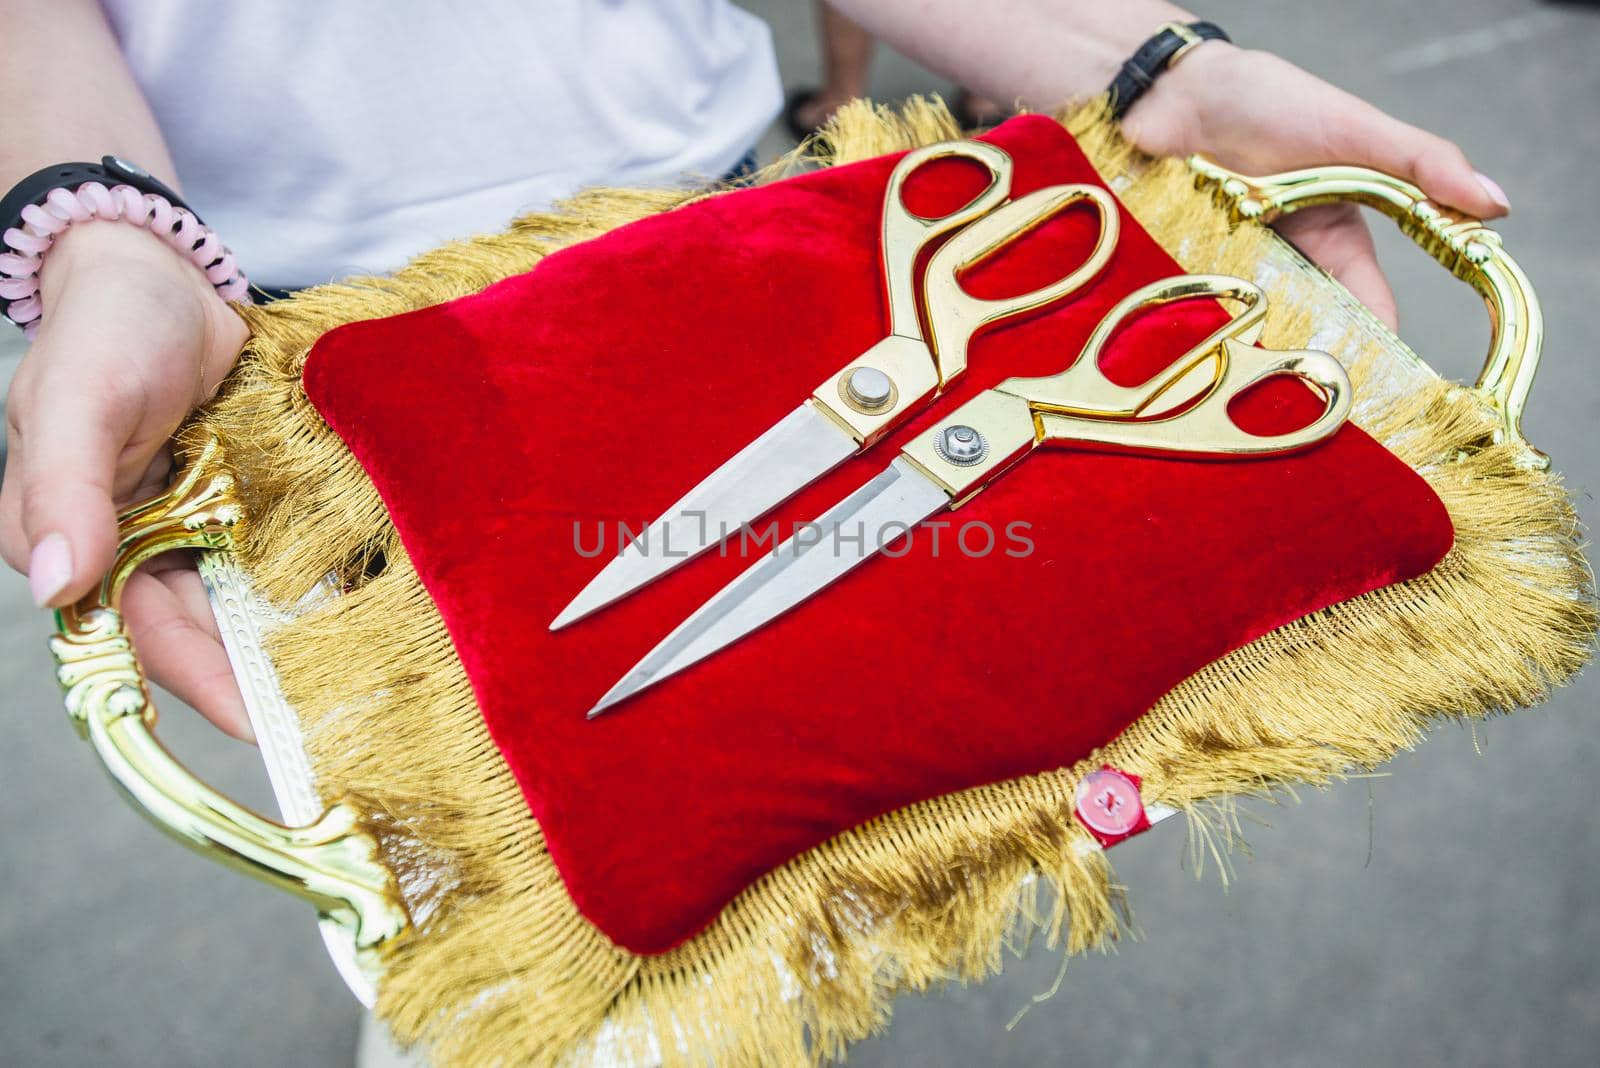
(1153, 338)
(1036, 257)
(1279, 404)
(945, 186)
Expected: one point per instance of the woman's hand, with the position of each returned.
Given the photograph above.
(1259, 114)
(1251, 111)
(133, 339)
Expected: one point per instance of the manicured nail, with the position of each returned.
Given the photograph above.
(49, 568)
(1496, 194)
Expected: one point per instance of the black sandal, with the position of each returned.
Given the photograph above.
(791, 113)
(971, 119)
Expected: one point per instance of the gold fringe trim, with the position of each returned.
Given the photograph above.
(501, 969)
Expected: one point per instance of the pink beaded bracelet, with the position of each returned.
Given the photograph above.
(27, 244)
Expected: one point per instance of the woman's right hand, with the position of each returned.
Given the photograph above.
(133, 339)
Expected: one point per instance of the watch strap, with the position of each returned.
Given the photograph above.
(110, 171)
(1157, 54)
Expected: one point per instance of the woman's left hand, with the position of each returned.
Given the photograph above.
(1256, 113)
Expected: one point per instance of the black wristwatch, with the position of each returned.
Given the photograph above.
(1170, 43)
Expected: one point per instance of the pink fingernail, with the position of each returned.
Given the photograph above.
(49, 568)
(1492, 187)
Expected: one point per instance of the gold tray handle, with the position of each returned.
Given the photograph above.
(332, 863)
(1462, 245)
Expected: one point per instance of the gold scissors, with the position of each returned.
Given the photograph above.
(884, 386)
(1182, 411)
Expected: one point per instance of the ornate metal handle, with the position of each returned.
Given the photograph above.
(1463, 245)
(331, 863)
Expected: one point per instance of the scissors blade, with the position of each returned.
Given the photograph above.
(794, 452)
(851, 532)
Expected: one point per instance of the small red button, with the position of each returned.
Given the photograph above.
(1108, 803)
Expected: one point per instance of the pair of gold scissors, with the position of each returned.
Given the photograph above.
(885, 385)
(1182, 411)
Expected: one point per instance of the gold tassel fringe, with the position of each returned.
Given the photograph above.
(501, 969)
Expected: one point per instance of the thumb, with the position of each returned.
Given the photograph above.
(1363, 134)
(70, 439)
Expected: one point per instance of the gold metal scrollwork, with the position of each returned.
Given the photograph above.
(1462, 245)
(332, 863)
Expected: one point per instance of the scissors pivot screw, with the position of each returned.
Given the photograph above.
(961, 445)
(868, 389)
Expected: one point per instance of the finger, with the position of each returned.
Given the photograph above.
(176, 636)
(71, 419)
(1336, 238)
(63, 482)
(1364, 135)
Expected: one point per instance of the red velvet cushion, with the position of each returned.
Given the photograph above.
(603, 384)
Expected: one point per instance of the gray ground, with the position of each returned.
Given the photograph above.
(1445, 915)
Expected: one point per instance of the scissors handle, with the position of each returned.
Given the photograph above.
(954, 315)
(1183, 411)
(1184, 408)
(1083, 388)
(1206, 428)
(905, 233)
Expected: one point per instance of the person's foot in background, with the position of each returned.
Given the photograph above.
(846, 60)
(976, 112)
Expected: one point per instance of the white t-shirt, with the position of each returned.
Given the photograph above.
(325, 137)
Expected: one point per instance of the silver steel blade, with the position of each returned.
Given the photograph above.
(852, 531)
(794, 452)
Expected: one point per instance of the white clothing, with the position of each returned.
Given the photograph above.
(325, 137)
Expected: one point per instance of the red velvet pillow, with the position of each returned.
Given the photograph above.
(603, 384)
